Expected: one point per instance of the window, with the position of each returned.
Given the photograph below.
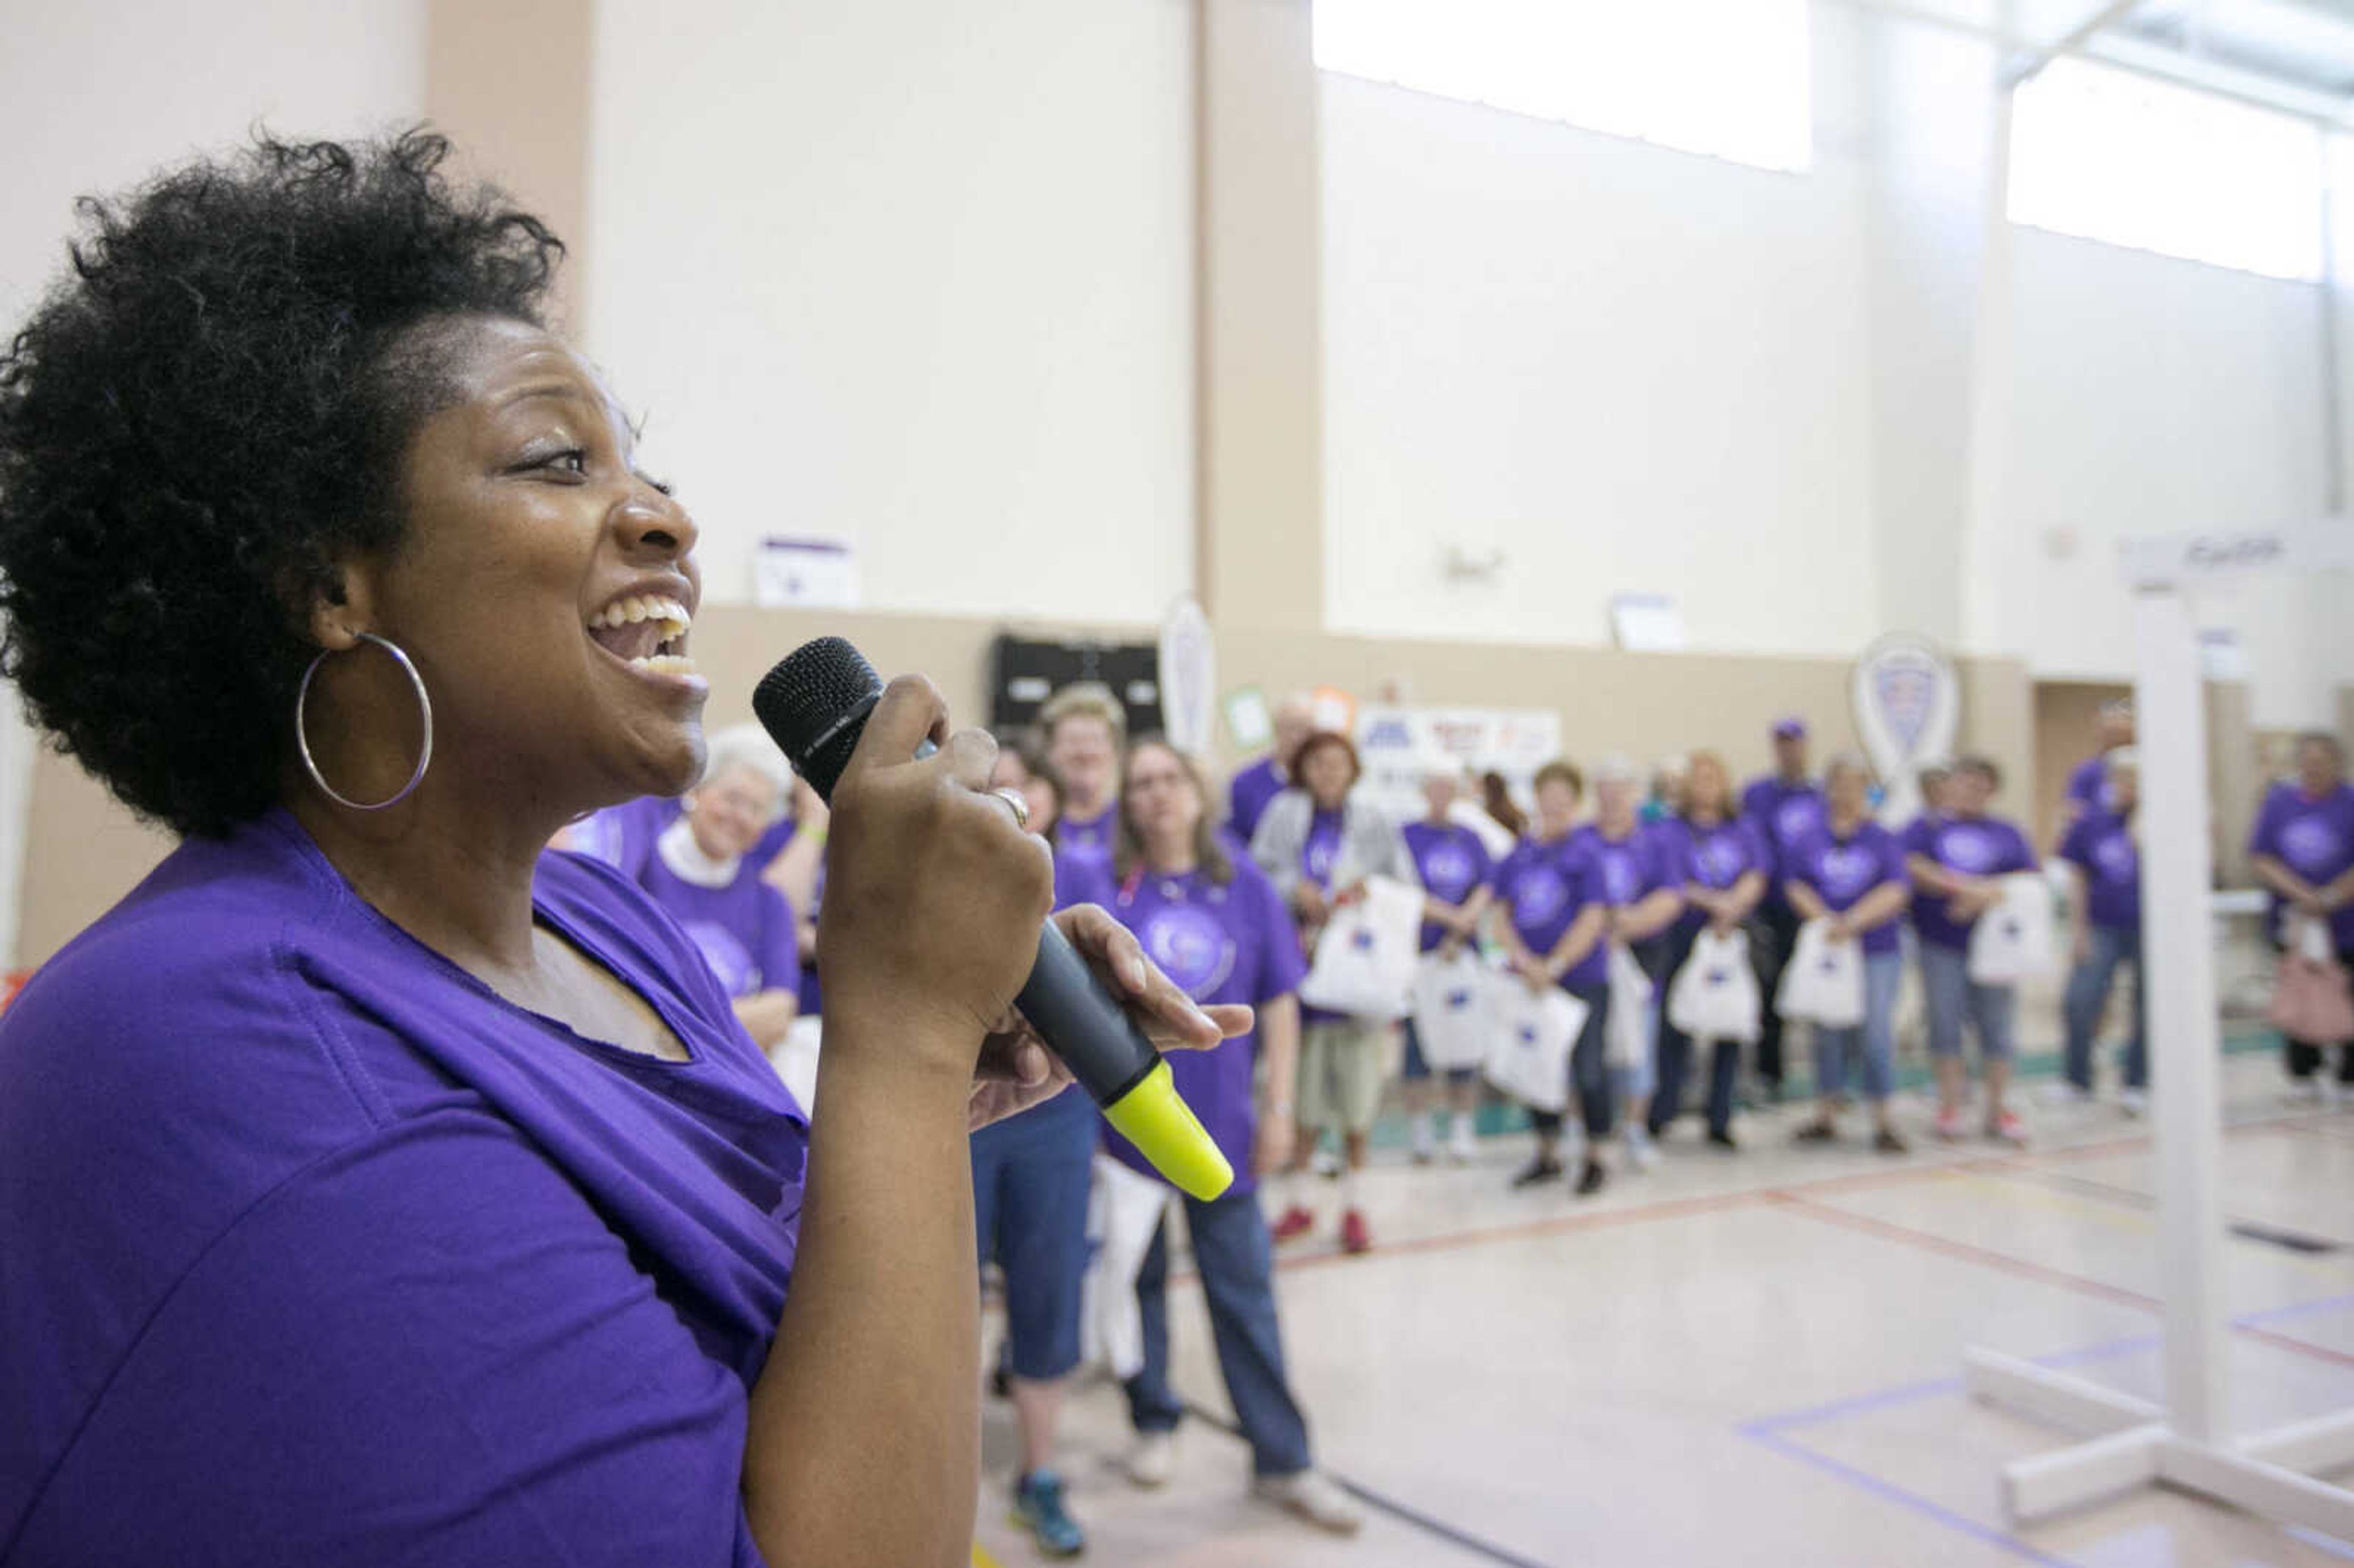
(1728, 78)
(2105, 154)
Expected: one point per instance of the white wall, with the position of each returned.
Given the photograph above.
(915, 275)
(96, 94)
(2148, 395)
(1629, 369)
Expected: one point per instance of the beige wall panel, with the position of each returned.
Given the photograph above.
(509, 84)
(87, 852)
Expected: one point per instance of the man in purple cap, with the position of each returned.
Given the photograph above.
(1786, 805)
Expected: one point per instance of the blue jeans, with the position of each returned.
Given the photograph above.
(2088, 994)
(1030, 1177)
(1237, 1262)
(1589, 1069)
(1954, 997)
(1675, 1049)
(1876, 1038)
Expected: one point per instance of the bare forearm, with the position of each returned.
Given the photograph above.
(1578, 940)
(1278, 1040)
(766, 1015)
(1879, 906)
(1744, 897)
(794, 871)
(2280, 878)
(1654, 914)
(862, 1447)
(1806, 901)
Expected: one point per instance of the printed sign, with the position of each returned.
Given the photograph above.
(1399, 745)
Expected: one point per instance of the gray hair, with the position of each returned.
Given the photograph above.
(1615, 769)
(1846, 762)
(748, 746)
(2124, 759)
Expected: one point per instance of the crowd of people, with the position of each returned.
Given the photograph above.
(1229, 892)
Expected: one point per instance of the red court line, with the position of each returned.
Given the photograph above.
(1968, 1251)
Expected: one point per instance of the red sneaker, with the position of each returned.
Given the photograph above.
(1354, 1236)
(1295, 1223)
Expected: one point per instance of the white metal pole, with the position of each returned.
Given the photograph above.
(2177, 970)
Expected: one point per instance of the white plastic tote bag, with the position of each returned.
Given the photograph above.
(1124, 1210)
(2013, 940)
(1714, 995)
(1366, 957)
(1824, 981)
(1528, 1054)
(1626, 1032)
(1450, 1010)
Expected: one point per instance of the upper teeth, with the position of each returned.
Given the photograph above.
(623, 612)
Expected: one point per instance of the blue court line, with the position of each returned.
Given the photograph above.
(1772, 1432)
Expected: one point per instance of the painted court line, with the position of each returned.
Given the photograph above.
(2134, 1198)
(1391, 1506)
(1969, 1252)
(1775, 1433)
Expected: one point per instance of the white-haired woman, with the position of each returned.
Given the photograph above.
(699, 872)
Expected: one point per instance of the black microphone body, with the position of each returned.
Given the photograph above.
(814, 703)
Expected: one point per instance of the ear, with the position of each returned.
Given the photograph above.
(341, 605)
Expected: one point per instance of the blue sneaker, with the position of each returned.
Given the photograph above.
(1038, 1509)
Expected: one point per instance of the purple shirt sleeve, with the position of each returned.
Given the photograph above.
(2265, 837)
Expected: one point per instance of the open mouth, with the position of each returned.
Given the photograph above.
(645, 631)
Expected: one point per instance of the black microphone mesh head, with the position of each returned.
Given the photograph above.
(814, 705)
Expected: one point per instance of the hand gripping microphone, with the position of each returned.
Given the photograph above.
(814, 705)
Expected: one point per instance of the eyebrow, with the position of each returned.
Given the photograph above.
(560, 391)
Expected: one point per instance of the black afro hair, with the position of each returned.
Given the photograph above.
(202, 419)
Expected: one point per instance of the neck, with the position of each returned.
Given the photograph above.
(454, 874)
(1171, 854)
(1439, 817)
(690, 862)
(1704, 816)
(1615, 826)
(1084, 808)
(1845, 822)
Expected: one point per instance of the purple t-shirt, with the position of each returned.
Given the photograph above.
(1086, 843)
(1715, 857)
(1247, 797)
(2101, 844)
(744, 930)
(1783, 813)
(1620, 872)
(1222, 943)
(1841, 871)
(2088, 783)
(623, 836)
(1544, 887)
(320, 1251)
(1316, 857)
(1452, 863)
(2315, 839)
(1975, 846)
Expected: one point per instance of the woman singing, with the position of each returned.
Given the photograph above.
(378, 1188)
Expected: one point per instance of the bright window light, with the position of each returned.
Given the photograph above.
(1728, 78)
(2107, 154)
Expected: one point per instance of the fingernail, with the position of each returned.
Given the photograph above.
(1132, 972)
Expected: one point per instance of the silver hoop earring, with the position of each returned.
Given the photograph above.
(303, 736)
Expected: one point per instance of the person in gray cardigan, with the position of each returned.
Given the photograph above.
(1319, 844)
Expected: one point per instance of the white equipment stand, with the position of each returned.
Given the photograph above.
(2186, 1443)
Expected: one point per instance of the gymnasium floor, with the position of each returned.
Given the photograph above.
(1746, 1359)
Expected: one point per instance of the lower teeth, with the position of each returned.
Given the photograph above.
(664, 664)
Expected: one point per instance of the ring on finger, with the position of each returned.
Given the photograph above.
(1015, 803)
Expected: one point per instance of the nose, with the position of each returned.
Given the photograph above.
(654, 526)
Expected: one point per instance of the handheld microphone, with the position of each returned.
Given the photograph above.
(814, 705)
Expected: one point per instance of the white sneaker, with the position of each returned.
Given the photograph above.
(1641, 1152)
(2133, 1102)
(1153, 1460)
(2064, 1092)
(1314, 1497)
(2305, 1091)
(1460, 1146)
(2335, 1094)
(1425, 1144)
(1326, 1162)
